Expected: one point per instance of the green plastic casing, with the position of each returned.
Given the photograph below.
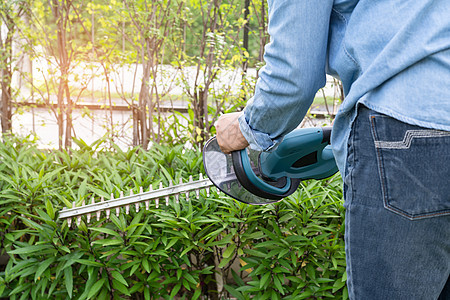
(304, 153)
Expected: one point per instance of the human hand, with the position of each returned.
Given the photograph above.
(229, 135)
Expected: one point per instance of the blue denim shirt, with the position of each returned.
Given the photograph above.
(393, 56)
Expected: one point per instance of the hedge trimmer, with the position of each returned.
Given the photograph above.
(249, 176)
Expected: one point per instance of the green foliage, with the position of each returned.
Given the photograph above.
(297, 249)
(290, 250)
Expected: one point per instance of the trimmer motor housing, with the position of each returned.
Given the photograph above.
(255, 177)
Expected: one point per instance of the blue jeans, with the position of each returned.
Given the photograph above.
(397, 199)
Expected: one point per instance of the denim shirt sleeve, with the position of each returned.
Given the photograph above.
(295, 69)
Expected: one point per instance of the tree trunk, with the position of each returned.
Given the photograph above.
(143, 102)
(263, 34)
(60, 114)
(68, 137)
(6, 98)
(246, 30)
(108, 91)
(201, 118)
(262, 42)
(58, 13)
(245, 45)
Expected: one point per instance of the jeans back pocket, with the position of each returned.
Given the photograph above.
(414, 167)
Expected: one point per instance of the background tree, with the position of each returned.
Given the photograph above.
(10, 13)
(214, 37)
(151, 22)
(259, 14)
(55, 44)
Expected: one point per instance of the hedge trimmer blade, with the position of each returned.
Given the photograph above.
(115, 205)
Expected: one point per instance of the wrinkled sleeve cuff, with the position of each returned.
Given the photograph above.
(257, 140)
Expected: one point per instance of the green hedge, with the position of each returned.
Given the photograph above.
(210, 248)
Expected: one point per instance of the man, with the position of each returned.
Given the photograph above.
(391, 137)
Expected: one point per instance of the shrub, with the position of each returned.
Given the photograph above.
(207, 248)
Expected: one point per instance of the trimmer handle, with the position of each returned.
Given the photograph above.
(326, 132)
(304, 153)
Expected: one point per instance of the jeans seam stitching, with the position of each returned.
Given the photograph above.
(384, 188)
(350, 274)
(409, 137)
(379, 163)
